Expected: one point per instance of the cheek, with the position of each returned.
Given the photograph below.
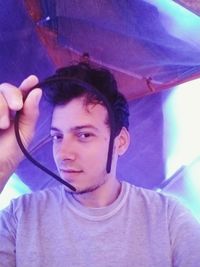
(55, 153)
(95, 157)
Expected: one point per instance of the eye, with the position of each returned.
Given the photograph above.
(56, 137)
(85, 136)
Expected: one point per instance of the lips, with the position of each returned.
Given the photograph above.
(70, 171)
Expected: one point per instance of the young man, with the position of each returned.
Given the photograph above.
(104, 222)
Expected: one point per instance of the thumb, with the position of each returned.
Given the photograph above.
(31, 104)
(30, 113)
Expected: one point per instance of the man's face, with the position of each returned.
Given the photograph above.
(80, 144)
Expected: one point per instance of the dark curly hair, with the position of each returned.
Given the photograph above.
(101, 79)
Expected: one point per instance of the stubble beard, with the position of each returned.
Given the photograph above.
(87, 190)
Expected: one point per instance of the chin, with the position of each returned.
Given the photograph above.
(86, 190)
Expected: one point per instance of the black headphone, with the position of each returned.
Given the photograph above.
(88, 88)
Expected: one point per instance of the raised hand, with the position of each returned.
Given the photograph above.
(13, 99)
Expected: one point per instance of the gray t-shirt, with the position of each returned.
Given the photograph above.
(142, 228)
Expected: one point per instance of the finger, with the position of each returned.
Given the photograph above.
(4, 113)
(28, 83)
(31, 106)
(12, 96)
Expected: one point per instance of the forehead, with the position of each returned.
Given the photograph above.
(77, 112)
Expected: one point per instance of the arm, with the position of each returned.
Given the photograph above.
(7, 240)
(11, 100)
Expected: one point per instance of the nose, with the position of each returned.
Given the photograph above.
(64, 151)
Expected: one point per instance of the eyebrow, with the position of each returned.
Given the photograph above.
(77, 128)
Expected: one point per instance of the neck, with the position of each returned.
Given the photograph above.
(102, 196)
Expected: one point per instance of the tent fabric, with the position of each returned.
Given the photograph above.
(129, 37)
(148, 49)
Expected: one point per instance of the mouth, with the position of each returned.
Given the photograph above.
(70, 175)
(70, 171)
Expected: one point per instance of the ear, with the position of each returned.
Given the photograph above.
(122, 141)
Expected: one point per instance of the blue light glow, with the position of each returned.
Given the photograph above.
(178, 21)
(193, 185)
(182, 127)
(13, 189)
(182, 143)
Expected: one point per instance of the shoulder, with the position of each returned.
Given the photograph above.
(34, 199)
(150, 196)
(155, 203)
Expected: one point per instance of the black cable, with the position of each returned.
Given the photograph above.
(87, 87)
(29, 157)
(91, 89)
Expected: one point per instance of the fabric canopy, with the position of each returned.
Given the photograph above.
(148, 45)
